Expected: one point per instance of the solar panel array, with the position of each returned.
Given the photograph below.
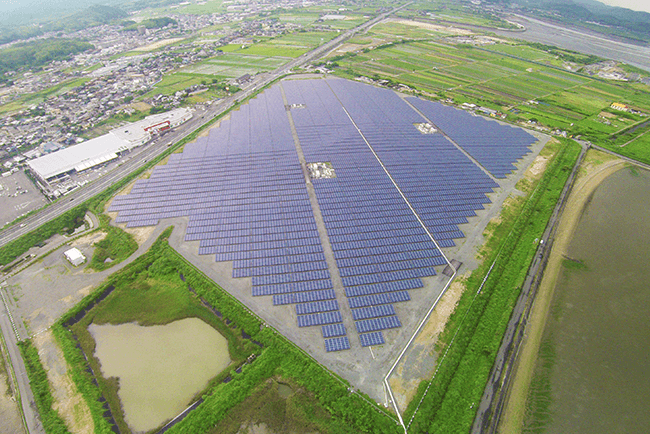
(380, 247)
(337, 344)
(495, 146)
(244, 192)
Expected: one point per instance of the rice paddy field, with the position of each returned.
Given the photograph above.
(527, 84)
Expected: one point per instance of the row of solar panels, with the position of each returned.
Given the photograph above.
(219, 189)
(365, 202)
(383, 287)
(289, 278)
(365, 224)
(387, 267)
(377, 299)
(303, 297)
(255, 254)
(222, 238)
(388, 250)
(256, 227)
(368, 214)
(316, 307)
(337, 344)
(395, 256)
(278, 260)
(320, 318)
(388, 276)
(288, 287)
(376, 324)
(308, 245)
(279, 269)
(377, 235)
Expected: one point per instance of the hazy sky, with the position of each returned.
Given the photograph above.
(637, 5)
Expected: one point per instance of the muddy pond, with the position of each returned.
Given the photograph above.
(593, 374)
(160, 368)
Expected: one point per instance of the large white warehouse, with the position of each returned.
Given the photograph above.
(105, 148)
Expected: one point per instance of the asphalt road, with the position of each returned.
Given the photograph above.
(137, 159)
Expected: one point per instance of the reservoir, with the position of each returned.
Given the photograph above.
(593, 372)
(160, 368)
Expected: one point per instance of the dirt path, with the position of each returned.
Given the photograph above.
(596, 167)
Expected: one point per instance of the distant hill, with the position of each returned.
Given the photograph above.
(27, 12)
(91, 16)
(588, 13)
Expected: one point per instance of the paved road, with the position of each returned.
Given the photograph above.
(136, 160)
(494, 396)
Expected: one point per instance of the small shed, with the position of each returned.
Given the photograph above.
(75, 256)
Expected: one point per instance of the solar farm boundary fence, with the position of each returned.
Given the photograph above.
(306, 354)
(444, 290)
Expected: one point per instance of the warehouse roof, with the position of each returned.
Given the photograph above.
(78, 157)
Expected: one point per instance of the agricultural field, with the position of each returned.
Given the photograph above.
(527, 84)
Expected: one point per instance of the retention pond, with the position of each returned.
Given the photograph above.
(160, 368)
(592, 374)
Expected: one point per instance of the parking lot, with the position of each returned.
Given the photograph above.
(18, 196)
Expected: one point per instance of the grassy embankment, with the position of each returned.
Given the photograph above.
(150, 291)
(477, 325)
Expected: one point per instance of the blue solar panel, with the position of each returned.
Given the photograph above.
(373, 311)
(332, 330)
(244, 192)
(337, 344)
(369, 339)
(319, 319)
(376, 324)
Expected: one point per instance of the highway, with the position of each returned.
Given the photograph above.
(137, 159)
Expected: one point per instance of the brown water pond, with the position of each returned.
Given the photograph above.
(160, 368)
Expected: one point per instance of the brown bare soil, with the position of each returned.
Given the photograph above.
(423, 347)
(89, 239)
(141, 234)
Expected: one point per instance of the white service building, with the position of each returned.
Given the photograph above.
(108, 147)
(75, 256)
